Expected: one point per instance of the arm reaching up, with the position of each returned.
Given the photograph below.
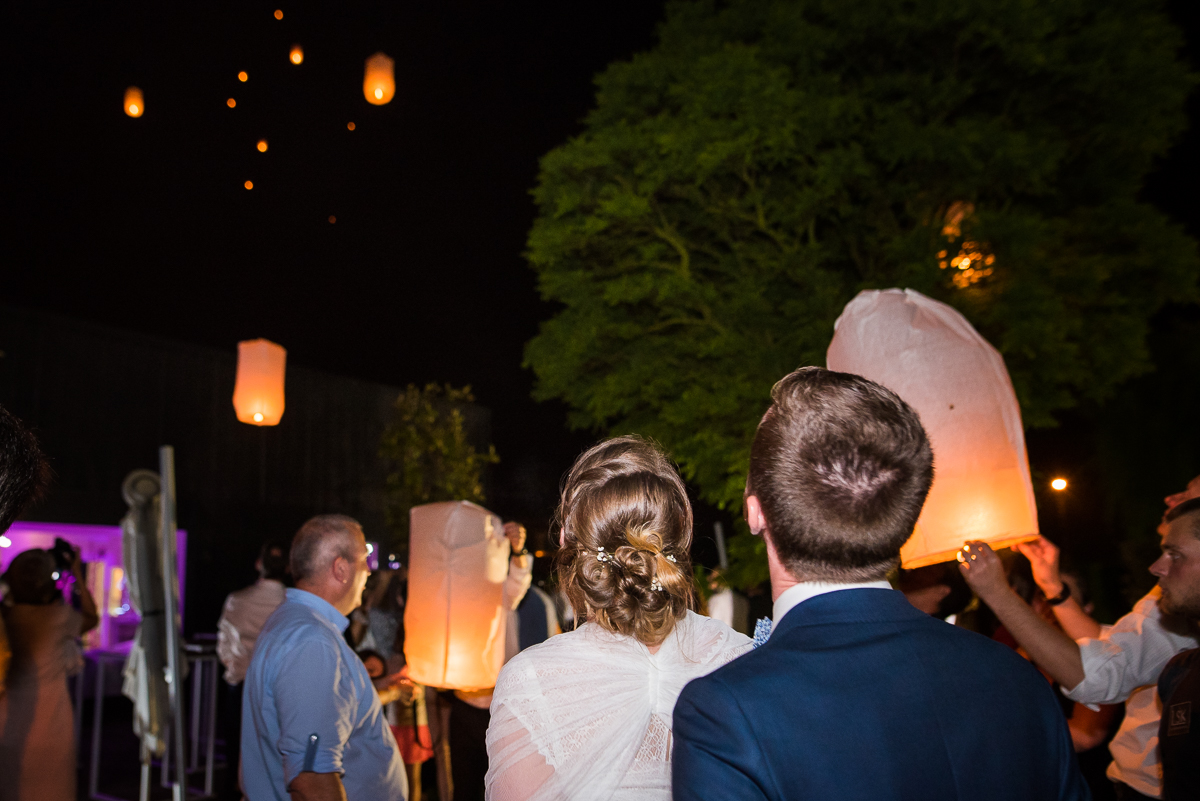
(1050, 648)
(1043, 558)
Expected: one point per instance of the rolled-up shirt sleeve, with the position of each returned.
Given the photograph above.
(1130, 654)
(516, 584)
(316, 701)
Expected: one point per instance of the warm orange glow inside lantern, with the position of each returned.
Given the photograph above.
(297, 54)
(928, 354)
(231, 102)
(243, 76)
(1058, 484)
(454, 623)
(249, 184)
(379, 82)
(262, 145)
(279, 13)
(258, 391)
(135, 105)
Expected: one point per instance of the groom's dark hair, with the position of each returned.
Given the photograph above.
(841, 467)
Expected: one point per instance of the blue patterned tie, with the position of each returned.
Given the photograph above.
(762, 630)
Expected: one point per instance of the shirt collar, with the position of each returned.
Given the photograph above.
(797, 594)
(318, 605)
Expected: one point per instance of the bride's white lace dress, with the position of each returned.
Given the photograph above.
(587, 714)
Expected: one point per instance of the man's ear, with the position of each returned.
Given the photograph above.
(754, 516)
(341, 569)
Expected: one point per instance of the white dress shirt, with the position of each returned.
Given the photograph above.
(797, 594)
(1123, 664)
(245, 613)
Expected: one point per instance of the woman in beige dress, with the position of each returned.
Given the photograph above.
(37, 737)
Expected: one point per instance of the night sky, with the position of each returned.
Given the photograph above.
(145, 223)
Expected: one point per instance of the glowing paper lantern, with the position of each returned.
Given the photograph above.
(929, 355)
(262, 145)
(454, 624)
(135, 104)
(258, 392)
(379, 82)
(297, 54)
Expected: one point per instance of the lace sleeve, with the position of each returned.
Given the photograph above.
(516, 771)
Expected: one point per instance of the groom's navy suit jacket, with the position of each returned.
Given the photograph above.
(857, 695)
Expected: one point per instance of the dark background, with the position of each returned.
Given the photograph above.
(144, 224)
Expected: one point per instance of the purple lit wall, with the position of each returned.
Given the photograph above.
(100, 548)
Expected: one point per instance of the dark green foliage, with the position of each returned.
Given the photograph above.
(427, 454)
(738, 184)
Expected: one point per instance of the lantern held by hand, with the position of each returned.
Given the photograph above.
(454, 621)
(929, 355)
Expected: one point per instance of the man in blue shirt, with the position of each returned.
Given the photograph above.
(312, 723)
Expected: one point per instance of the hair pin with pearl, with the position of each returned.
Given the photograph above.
(601, 556)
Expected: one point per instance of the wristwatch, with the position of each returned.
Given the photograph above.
(1062, 596)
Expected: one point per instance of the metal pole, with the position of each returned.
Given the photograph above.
(166, 466)
(722, 557)
(212, 725)
(197, 672)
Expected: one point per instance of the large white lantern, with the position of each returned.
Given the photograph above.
(929, 355)
(454, 623)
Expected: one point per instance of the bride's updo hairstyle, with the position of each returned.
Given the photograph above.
(626, 531)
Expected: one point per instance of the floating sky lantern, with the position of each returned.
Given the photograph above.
(349, 126)
(1058, 484)
(231, 102)
(297, 54)
(258, 391)
(454, 623)
(379, 81)
(262, 145)
(929, 355)
(279, 13)
(243, 76)
(249, 184)
(135, 104)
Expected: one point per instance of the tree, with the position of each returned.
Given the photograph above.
(427, 455)
(735, 186)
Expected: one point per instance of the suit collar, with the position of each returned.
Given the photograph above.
(799, 593)
(862, 605)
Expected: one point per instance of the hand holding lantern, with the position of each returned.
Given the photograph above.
(1043, 558)
(983, 571)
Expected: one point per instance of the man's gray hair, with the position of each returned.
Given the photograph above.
(321, 540)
